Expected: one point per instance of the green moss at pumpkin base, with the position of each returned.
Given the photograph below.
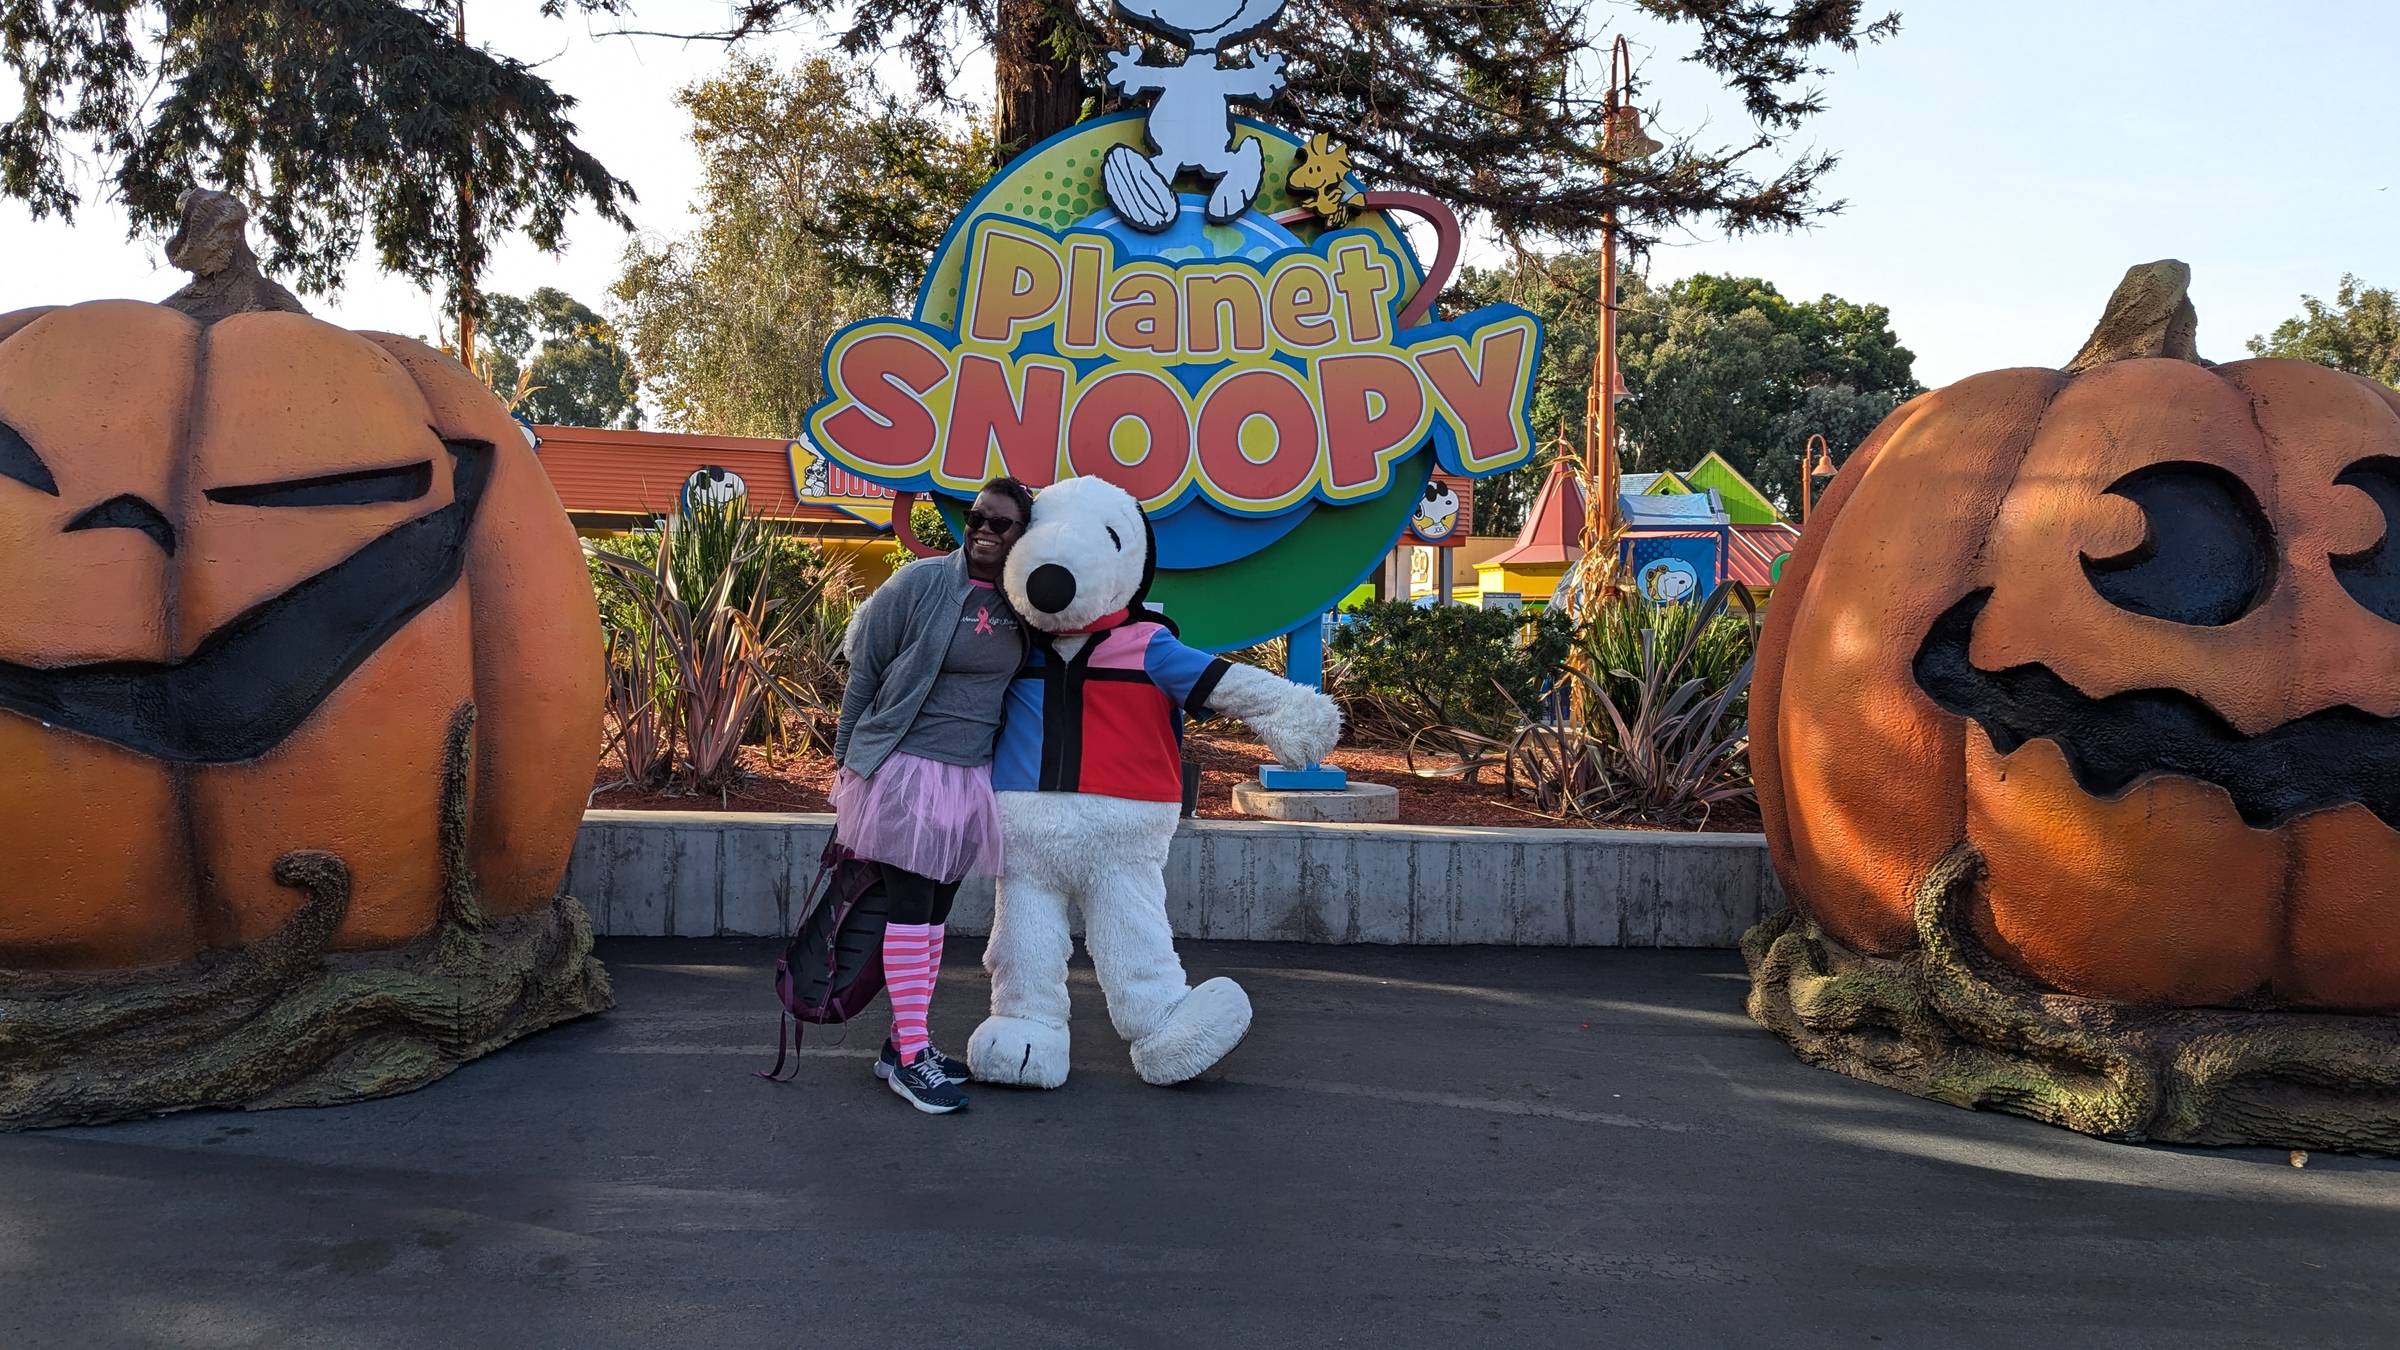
(286, 1021)
(1946, 1022)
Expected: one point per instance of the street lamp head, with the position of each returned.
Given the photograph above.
(1625, 141)
(1622, 140)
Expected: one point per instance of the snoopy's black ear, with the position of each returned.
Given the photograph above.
(1149, 556)
(1141, 596)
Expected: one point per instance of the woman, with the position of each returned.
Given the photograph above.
(931, 656)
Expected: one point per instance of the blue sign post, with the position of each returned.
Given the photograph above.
(1305, 664)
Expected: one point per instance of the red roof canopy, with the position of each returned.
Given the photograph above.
(641, 473)
(1553, 531)
(1751, 559)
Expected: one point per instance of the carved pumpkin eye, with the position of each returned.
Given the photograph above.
(18, 461)
(363, 487)
(2207, 552)
(2372, 576)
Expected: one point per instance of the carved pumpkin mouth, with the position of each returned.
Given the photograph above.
(2327, 759)
(254, 680)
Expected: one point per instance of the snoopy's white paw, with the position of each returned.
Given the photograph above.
(1144, 199)
(1298, 723)
(1303, 731)
(1203, 1029)
(1239, 185)
(1016, 1053)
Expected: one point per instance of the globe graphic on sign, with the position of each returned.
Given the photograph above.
(1192, 238)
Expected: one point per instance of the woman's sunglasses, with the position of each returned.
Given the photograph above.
(1003, 526)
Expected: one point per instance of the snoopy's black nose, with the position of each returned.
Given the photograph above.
(1051, 588)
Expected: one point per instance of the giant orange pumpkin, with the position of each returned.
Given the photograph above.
(2129, 633)
(262, 573)
(2134, 635)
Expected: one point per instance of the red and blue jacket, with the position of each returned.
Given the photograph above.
(1107, 720)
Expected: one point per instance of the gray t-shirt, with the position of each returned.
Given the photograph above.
(960, 718)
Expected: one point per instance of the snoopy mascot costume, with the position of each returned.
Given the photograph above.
(1090, 783)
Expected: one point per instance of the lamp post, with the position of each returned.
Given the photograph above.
(1623, 140)
(1821, 466)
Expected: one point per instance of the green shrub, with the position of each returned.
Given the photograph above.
(1399, 667)
(1613, 643)
(707, 541)
(741, 619)
(932, 531)
(1659, 734)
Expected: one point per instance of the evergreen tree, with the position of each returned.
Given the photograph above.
(564, 355)
(336, 123)
(2359, 332)
(360, 120)
(1710, 363)
(818, 206)
(1492, 107)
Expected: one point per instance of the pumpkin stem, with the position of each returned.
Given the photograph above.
(210, 244)
(2150, 315)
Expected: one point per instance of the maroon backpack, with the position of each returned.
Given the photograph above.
(833, 966)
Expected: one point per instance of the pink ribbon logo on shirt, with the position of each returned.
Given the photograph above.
(983, 619)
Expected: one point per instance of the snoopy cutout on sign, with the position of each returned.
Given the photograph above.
(1191, 125)
(1669, 581)
(1436, 516)
(711, 485)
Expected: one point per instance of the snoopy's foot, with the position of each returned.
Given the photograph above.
(1016, 1053)
(1135, 187)
(1239, 186)
(1203, 1029)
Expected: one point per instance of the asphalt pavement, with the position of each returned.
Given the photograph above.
(1415, 1147)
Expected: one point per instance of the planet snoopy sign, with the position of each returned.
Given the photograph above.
(1257, 361)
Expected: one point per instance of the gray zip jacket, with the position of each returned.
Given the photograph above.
(897, 643)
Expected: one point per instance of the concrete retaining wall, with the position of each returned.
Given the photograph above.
(710, 874)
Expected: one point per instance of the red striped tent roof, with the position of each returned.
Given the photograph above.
(1553, 529)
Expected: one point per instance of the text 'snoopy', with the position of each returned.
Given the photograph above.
(1260, 385)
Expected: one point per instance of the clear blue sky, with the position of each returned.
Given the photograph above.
(2003, 163)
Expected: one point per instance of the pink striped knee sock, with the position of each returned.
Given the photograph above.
(911, 963)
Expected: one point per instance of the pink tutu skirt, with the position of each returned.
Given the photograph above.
(934, 819)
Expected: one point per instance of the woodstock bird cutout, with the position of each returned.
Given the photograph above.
(1191, 124)
(1322, 180)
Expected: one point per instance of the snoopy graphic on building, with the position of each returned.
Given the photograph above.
(1191, 124)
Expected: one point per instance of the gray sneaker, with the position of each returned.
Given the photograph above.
(921, 1084)
(888, 1063)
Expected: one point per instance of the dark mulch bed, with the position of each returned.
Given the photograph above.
(799, 783)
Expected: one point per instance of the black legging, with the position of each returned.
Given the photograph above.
(908, 897)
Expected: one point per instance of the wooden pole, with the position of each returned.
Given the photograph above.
(1812, 454)
(1600, 469)
(1604, 379)
(1596, 571)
